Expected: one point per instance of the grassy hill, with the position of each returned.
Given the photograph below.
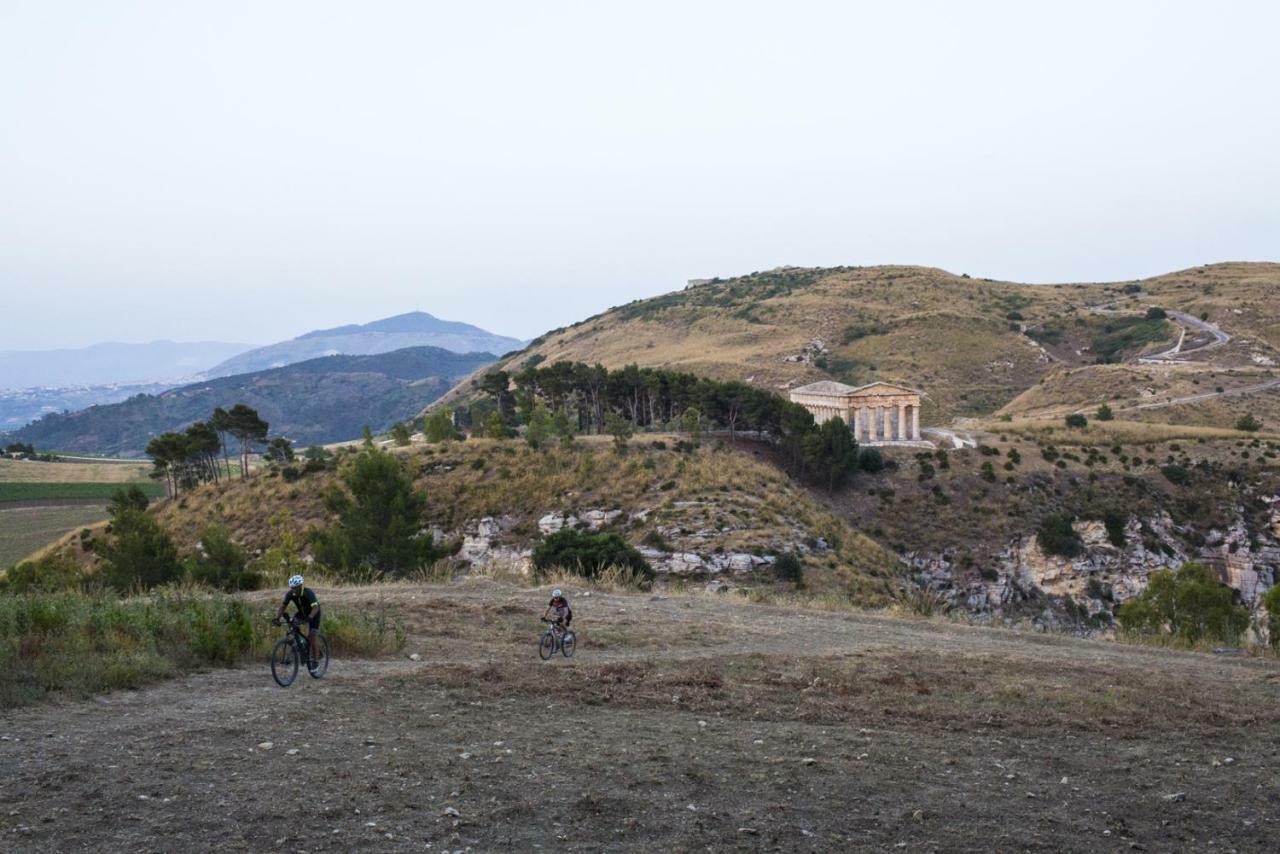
(974, 345)
(711, 504)
(320, 400)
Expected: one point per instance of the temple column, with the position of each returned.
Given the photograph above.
(915, 422)
(874, 412)
(853, 422)
(902, 422)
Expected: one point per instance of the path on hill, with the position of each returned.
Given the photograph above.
(686, 722)
(1196, 398)
(1176, 353)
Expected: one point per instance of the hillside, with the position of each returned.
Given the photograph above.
(723, 514)
(112, 363)
(684, 722)
(317, 401)
(973, 345)
(415, 329)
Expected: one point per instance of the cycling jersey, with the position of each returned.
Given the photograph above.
(561, 606)
(304, 600)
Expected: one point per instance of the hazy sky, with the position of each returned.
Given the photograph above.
(249, 171)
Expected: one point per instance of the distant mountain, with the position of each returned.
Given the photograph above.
(316, 401)
(416, 329)
(113, 364)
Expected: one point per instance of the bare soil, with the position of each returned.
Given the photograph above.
(684, 723)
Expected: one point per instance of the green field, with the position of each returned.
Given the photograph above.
(24, 530)
(34, 491)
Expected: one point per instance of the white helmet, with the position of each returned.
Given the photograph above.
(295, 581)
(556, 594)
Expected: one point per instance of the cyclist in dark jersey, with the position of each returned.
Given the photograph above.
(308, 608)
(560, 606)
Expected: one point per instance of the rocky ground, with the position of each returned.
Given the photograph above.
(700, 722)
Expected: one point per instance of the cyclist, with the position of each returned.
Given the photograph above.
(559, 605)
(304, 599)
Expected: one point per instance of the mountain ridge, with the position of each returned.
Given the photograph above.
(401, 331)
(316, 401)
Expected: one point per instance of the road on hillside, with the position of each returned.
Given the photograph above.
(1176, 353)
(685, 722)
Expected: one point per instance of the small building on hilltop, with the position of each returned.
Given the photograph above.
(879, 413)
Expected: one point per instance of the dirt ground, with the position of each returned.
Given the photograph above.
(684, 723)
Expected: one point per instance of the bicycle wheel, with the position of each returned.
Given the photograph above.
(569, 644)
(322, 658)
(284, 663)
(547, 646)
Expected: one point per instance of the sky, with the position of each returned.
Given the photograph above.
(248, 171)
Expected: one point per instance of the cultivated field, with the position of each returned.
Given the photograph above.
(684, 723)
(24, 530)
(30, 471)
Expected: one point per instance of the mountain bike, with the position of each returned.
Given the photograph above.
(293, 648)
(557, 639)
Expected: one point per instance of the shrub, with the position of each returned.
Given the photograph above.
(220, 563)
(49, 574)
(1156, 313)
(1248, 423)
(1271, 601)
(1175, 473)
(988, 472)
(400, 434)
(588, 554)
(1057, 536)
(871, 460)
(1114, 521)
(787, 567)
(138, 553)
(1190, 604)
(1104, 413)
(1077, 421)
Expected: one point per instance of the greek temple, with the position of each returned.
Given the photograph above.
(878, 413)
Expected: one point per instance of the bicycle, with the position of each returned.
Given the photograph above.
(557, 639)
(295, 647)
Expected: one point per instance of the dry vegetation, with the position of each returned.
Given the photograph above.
(729, 500)
(956, 337)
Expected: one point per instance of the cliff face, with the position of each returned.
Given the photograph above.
(1025, 581)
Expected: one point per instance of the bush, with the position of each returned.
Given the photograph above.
(1077, 421)
(1271, 601)
(221, 564)
(1104, 413)
(138, 553)
(787, 567)
(1155, 313)
(50, 574)
(1248, 423)
(1057, 536)
(871, 460)
(588, 554)
(1115, 523)
(1189, 604)
(1175, 473)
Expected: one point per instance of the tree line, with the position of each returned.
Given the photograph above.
(568, 397)
(200, 453)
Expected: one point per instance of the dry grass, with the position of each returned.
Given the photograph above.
(29, 471)
(1116, 432)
